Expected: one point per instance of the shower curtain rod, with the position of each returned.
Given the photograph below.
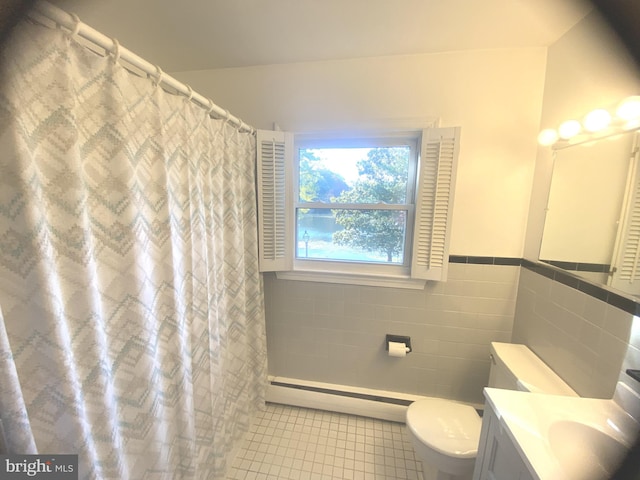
(71, 22)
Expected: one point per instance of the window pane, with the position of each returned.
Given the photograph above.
(354, 175)
(351, 235)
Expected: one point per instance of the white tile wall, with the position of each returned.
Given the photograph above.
(632, 360)
(335, 333)
(580, 337)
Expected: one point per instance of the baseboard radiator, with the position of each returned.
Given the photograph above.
(381, 404)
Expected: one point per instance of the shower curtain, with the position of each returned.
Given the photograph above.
(132, 319)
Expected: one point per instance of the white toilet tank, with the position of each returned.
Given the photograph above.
(515, 367)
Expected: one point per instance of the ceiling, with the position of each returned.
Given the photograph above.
(182, 35)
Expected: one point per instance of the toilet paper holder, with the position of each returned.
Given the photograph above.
(399, 339)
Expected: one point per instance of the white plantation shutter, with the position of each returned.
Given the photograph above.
(434, 203)
(626, 276)
(275, 225)
(629, 268)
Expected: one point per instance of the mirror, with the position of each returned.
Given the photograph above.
(589, 226)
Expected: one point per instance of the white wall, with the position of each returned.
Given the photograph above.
(581, 337)
(587, 68)
(494, 95)
(335, 334)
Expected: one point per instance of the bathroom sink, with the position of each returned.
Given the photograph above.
(567, 438)
(585, 452)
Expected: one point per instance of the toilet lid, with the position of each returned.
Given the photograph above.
(448, 427)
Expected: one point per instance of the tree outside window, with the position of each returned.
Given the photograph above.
(357, 201)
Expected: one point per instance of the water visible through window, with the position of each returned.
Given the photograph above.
(353, 204)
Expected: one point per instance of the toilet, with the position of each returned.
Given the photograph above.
(445, 434)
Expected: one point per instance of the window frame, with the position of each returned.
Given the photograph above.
(436, 175)
(372, 140)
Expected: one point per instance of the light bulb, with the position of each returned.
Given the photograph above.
(597, 120)
(569, 129)
(629, 108)
(547, 137)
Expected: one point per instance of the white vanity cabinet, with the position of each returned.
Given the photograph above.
(498, 458)
(537, 436)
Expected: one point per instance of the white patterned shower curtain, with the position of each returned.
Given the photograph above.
(132, 319)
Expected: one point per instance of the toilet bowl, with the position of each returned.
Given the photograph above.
(445, 434)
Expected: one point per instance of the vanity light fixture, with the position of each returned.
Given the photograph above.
(548, 137)
(597, 120)
(599, 123)
(629, 108)
(569, 129)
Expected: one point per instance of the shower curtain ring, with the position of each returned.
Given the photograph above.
(158, 75)
(211, 106)
(76, 24)
(190, 93)
(116, 50)
(225, 120)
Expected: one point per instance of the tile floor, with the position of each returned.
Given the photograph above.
(304, 444)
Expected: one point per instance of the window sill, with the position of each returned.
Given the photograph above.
(390, 281)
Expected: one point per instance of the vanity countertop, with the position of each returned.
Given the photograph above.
(564, 438)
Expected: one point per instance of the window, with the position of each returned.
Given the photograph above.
(354, 204)
(375, 206)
